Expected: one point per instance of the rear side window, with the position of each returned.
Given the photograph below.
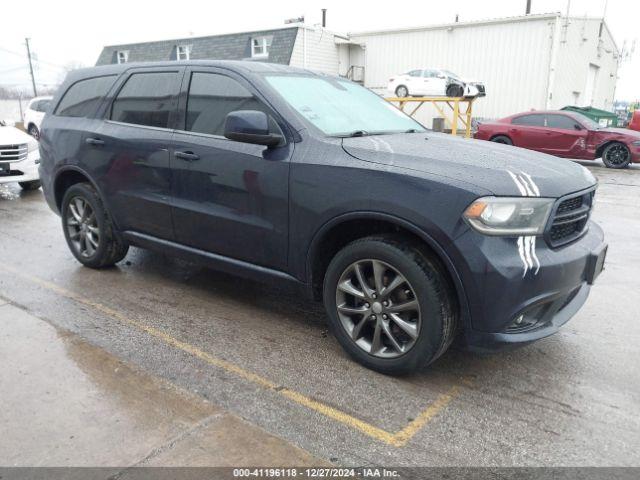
(529, 120)
(561, 121)
(83, 97)
(212, 97)
(146, 99)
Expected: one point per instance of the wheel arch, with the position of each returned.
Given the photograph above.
(495, 135)
(401, 85)
(343, 229)
(600, 149)
(68, 176)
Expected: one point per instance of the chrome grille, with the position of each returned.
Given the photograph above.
(569, 219)
(13, 153)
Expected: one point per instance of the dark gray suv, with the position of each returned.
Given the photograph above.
(408, 236)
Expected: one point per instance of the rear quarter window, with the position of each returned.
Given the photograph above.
(83, 97)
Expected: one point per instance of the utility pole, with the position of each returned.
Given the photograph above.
(33, 79)
(528, 10)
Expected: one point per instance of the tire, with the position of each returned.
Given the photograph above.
(99, 246)
(34, 132)
(455, 91)
(616, 155)
(502, 139)
(432, 320)
(33, 185)
(402, 91)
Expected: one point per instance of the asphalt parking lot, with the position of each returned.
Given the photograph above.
(265, 355)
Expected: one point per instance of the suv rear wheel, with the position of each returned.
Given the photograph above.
(88, 228)
(389, 304)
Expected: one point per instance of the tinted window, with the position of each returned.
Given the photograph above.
(146, 99)
(83, 97)
(561, 121)
(415, 73)
(529, 120)
(212, 97)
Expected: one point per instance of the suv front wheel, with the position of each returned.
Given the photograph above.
(389, 304)
(88, 228)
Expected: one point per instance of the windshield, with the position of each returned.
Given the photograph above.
(586, 121)
(340, 107)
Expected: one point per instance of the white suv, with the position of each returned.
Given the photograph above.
(19, 158)
(34, 114)
(434, 82)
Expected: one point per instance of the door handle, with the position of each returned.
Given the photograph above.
(94, 141)
(189, 156)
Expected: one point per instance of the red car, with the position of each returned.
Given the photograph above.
(634, 124)
(565, 134)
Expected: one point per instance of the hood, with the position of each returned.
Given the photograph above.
(621, 131)
(497, 168)
(11, 136)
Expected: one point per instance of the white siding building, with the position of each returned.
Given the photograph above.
(529, 62)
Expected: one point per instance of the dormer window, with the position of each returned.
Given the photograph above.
(260, 46)
(123, 56)
(183, 52)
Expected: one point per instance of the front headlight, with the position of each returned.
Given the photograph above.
(509, 216)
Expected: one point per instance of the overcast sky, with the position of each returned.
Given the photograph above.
(65, 32)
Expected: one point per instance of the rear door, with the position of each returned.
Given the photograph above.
(529, 131)
(229, 198)
(566, 137)
(415, 82)
(131, 149)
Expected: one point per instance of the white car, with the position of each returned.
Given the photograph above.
(433, 82)
(34, 114)
(19, 158)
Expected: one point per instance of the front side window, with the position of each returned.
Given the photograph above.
(260, 46)
(123, 56)
(340, 107)
(183, 52)
(586, 121)
(211, 97)
(562, 122)
(146, 99)
(529, 120)
(83, 97)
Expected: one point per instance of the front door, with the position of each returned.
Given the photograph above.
(567, 138)
(131, 150)
(229, 198)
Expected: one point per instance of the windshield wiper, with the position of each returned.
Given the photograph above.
(355, 133)
(411, 130)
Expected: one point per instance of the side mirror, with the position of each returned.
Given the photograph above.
(250, 126)
(577, 126)
(440, 76)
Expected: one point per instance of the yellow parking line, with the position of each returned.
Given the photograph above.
(395, 439)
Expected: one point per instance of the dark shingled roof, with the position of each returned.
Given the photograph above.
(234, 46)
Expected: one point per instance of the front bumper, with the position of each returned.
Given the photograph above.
(23, 171)
(540, 287)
